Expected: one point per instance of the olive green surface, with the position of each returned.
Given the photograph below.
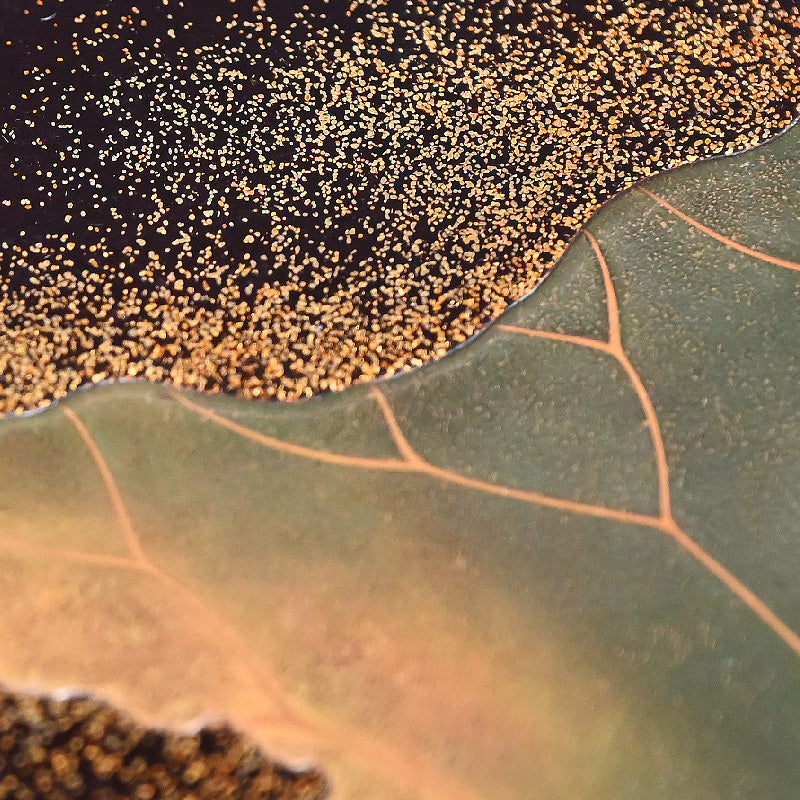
(483, 592)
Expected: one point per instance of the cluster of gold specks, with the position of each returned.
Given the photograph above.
(83, 749)
(282, 198)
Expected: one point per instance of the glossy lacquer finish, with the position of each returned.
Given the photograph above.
(561, 562)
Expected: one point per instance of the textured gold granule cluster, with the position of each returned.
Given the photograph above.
(80, 749)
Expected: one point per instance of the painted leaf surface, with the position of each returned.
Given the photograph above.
(562, 562)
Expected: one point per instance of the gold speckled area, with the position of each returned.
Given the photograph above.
(283, 199)
(79, 748)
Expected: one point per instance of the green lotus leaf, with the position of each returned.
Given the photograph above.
(562, 562)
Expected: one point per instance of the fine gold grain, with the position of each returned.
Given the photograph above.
(283, 199)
